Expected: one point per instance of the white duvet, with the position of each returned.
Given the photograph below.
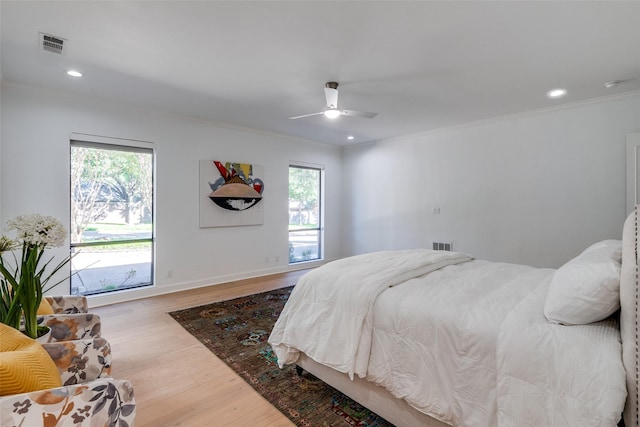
(555, 375)
(331, 306)
(466, 344)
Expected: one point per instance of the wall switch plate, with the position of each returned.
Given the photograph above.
(442, 246)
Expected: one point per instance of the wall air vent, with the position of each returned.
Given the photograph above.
(53, 44)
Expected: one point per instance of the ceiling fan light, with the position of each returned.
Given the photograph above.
(332, 113)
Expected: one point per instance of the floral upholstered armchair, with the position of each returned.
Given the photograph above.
(101, 402)
(83, 393)
(68, 304)
(69, 318)
(88, 395)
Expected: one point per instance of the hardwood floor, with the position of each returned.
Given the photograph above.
(177, 381)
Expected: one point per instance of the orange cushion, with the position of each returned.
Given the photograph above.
(45, 308)
(24, 364)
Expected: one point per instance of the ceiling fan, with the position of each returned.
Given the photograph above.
(332, 111)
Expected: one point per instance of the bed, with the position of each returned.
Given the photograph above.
(435, 338)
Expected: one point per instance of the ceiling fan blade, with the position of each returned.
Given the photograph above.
(332, 97)
(306, 115)
(353, 113)
(332, 111)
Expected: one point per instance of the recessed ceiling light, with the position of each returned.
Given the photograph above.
(556, 93)
(351, 137)
(74, 73)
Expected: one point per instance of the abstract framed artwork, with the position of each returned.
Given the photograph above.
(230, 194)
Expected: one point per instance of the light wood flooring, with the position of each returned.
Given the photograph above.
(177, 381)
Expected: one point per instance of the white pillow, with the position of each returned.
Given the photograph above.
(587, 288)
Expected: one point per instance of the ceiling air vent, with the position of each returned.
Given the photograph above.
(53, 44)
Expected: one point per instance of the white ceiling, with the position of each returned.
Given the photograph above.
(421, 65)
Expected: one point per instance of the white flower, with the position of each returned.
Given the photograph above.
(6, 244)
(36, 229)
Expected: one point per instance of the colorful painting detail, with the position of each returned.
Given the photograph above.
(231, 194)
(236, 189)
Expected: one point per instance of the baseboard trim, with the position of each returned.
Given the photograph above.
(151, 291)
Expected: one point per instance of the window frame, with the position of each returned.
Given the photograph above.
(320, 227)
(122, 145)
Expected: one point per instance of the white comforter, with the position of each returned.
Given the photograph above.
(330, 307)
(466, 344)
(554, 375)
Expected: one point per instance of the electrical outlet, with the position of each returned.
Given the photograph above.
(169, 274)
(277, 259)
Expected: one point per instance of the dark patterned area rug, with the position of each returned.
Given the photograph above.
(237, 331)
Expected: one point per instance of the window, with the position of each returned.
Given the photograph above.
(305, 213)
(112, 234)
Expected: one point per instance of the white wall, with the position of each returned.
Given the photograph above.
(36, 125)
(535, 188)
